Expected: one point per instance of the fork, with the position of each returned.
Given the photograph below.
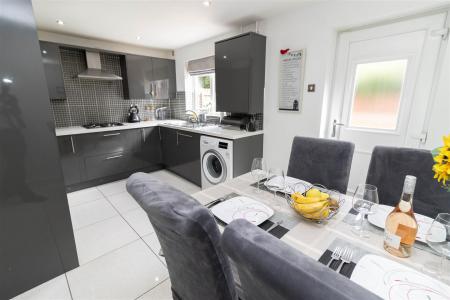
(346, 258)
(274, 225)
(336, 255)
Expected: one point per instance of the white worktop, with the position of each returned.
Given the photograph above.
(212, 130)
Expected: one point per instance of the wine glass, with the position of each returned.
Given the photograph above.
(365, 201)
(276, 182)
(259, 170)
(438, 238)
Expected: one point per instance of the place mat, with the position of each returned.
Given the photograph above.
(347, 269)
(262, 186)
(278, 231)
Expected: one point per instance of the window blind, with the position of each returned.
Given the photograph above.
(201, 66)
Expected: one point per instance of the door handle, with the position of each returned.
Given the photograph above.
(335, 125)
(112, 134)
(113, 157)
(422, 137)
(73, 146)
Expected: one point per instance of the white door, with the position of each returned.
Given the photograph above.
(382, 86)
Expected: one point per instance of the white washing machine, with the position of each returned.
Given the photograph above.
(216, 159)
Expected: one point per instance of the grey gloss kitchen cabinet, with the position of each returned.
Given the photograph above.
(142, 70)
(70, 162)
(240, 73)
(151, 146)
(109, 153)
(139, 71)
(181, 153)
(51, 60)
(95, 158)
(165, 69)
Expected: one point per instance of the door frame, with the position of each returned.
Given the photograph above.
(327, 121)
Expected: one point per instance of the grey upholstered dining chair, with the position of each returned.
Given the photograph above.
(270, 269)
(388, 168)
(323, 161)
(189, 238)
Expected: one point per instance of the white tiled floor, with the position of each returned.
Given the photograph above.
(117, 248)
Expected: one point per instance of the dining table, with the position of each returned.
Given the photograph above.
(311, 238)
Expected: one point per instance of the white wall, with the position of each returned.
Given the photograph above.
(315, 28)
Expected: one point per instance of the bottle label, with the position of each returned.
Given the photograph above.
(392, 240)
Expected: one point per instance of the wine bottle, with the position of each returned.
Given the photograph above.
(401, 226)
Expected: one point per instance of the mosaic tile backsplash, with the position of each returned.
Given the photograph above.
(101, 101)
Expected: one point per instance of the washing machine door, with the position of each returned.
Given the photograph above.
(214, 167)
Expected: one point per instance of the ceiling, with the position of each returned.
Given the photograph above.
(165, 24)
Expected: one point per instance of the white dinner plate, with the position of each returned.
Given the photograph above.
(292, 184)
(392, 280)
(242, 208)
(379, 219)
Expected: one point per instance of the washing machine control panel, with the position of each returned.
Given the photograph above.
(223, 145)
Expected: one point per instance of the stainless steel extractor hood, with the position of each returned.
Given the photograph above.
(94, 69)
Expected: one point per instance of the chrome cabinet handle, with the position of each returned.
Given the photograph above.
(143, 134)
(159, 131)
(182, 134)
(185, 135)
(73, 146)
(112, 134)
(113, 157)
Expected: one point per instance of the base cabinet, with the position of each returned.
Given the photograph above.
(70, 162)
(95, 158)
(181, 153)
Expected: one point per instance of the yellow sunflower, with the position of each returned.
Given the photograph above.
(441, 167)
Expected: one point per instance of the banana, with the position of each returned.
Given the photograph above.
(304, 200)
(308, 208)
(322, 214)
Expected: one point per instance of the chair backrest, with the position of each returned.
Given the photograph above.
(270, 269)
(388, 168)
(189, 238)
(323, 161)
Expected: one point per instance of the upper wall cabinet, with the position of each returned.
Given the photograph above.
(51, 59)
(150, 77)
(164, 69)
(240, 73)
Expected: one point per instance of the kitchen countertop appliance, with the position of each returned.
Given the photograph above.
(133, 114)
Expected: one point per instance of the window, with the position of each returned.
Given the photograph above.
(377, 94)
(202, 94)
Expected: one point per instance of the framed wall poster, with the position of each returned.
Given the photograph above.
(292, 69)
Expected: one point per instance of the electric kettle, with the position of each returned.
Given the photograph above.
(133, 114)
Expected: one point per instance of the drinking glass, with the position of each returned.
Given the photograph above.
(259, 170)
(276, 182)
(438, 238)
(365, 201)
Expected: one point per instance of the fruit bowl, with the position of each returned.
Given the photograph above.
(317, 203)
